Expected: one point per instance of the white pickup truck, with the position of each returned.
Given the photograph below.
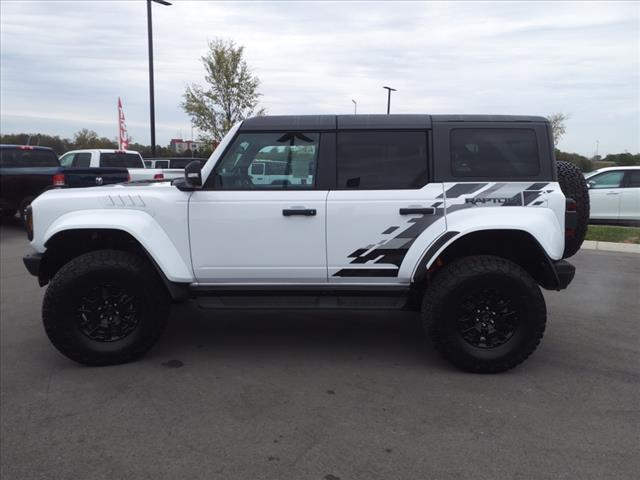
(102, 157)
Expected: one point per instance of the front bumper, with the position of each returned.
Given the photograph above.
(564, 273)
(32, 262)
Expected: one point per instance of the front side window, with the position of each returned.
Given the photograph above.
(494, 152)
(382, 160)
(606, 180)
(269, 161)
(67, 160)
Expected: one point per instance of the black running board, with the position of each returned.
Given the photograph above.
(288, 297)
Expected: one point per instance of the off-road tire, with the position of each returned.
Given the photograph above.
(441, 312)
(125, 270)
(574, 185)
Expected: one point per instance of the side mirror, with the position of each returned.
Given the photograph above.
(590, 185)
(193, 174)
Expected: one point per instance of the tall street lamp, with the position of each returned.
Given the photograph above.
(355, 106)
(152, 107)
(389, 90)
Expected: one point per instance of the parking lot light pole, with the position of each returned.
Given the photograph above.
(152, 107)
(389, 90)
(355, 107)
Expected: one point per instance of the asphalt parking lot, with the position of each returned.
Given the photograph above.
(298, 395)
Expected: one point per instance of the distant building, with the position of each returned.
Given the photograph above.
(179, 146)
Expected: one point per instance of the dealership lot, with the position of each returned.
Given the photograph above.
(325, 395)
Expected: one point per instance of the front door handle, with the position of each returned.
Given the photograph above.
(307, 212)
(421, 210)
(613, 193)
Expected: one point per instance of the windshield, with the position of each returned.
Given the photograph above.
(16, 157)
(127, 160)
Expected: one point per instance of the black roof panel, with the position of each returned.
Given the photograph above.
(372, 122)
(290, 122)
(487, 118)
(383, 121)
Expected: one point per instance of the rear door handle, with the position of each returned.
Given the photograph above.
(421, 210)
(613, 193)
(307, 212)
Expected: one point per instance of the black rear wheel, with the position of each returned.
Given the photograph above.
(105, 307)
(484, 314)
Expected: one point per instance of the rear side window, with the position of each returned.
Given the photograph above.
(633, 178)
(127, 160)
(162, 163)
(494, 152)
(82, 160)
(382, 160)
(10, 157)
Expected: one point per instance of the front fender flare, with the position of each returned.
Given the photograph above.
(141, 226)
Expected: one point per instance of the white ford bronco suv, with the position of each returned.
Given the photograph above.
(460, 217)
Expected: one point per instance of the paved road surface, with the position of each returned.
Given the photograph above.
(287, 395)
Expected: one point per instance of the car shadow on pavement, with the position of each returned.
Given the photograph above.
(296, 335)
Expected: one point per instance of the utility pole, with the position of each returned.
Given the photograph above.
(152, 107)
(355, 107)
(389, 90)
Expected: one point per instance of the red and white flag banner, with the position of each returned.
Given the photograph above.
(123, 139)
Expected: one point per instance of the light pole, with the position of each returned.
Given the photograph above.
(389, 90)
(152, 107)
(355, 107)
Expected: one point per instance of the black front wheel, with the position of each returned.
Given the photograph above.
(484, 314)
(105, 307)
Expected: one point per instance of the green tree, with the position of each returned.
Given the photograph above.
(582, 162)
(86, 138)
(558, 127)
(230, 95)
(625, 159)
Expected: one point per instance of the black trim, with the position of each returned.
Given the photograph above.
(367, 272)
(297, 289)
(421, 270)
(306, 212)
(564, 273)
(421, 211)
(32, 262)
(327, 296)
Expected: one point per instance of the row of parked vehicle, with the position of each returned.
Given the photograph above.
(26, 171)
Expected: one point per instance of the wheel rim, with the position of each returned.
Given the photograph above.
(488, 319)
(107, 313)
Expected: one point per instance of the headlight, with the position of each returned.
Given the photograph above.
(29, 222)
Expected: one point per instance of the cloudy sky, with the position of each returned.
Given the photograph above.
(63, 64)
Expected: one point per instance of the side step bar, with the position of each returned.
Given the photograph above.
(288, 297)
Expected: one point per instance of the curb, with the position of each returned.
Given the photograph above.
(611, 246)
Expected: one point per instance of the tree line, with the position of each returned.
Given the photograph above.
(86, 138)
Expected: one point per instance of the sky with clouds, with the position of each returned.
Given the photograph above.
(64, 64)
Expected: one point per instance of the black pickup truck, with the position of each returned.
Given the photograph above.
(27, 171)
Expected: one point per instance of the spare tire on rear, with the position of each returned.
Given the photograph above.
(574, 185)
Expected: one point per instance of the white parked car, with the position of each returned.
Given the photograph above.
(615, 194)
(103, 157)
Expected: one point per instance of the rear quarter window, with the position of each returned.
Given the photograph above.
(494, 152)
(127, 160)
